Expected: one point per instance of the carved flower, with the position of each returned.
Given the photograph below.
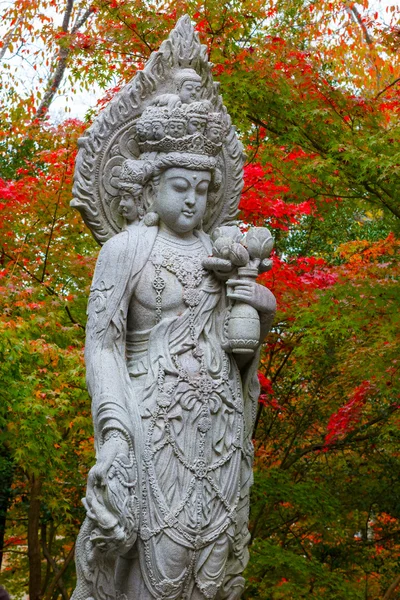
(222, 247)
(191, 296)
(166, 587)
(238, 255)
(200, 468)
(205, 385)
(259, 242)
(230, 231)
(164, 400)
(204, 424)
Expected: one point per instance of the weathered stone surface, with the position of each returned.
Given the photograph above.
(175, 320)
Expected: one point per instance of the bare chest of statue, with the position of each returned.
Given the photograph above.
(169, 283)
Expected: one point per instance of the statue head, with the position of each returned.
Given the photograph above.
(214, 128)
(131, 180)
(178, 160)
(175, 124)
(159, 121)
(169, 116)
(188, 85)
(196, 116)
(179, 197)
(173, 187)
(128, 208)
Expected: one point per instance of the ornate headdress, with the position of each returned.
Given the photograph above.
(150, 126)
(179, 134)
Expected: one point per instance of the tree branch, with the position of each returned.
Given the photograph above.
(82, 20)
(54, 566)
(391, 589)
(60, 62)
(58, 575)
(387, 87)
(8, 37)
(67, 15)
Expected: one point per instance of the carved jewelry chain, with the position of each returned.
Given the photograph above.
(188, 271)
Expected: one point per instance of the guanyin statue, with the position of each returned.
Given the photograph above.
(175, 320)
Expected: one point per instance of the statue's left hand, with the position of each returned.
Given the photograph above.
(252, 293)
(222, 268)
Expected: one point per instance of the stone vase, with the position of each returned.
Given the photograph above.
(242, 329)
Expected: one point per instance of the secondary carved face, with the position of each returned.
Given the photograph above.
(158, 130)
(181, 198)
(214, 133)
(190, 91)
(175, 129)
(144, 130)
(127, 208)
(196, 125)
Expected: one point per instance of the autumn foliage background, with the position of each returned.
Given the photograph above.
(313, 89)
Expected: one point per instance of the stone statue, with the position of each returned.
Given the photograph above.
(175, 320)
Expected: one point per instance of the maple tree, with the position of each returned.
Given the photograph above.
(313, 89)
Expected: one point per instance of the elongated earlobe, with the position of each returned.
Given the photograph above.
(151, 219)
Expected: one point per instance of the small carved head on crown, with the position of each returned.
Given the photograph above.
(188, 85)
(176, 125)
(215, 129)
(196, 116)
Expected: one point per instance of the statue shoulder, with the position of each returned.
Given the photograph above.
(112, 260)
(124, 252)
(114, 247)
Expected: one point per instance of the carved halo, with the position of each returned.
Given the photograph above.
(112, 137)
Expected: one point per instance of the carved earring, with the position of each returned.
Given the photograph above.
(151, 219)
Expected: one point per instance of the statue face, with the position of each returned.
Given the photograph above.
(158, 130)
(196, 124)
(190, 92)
(127, 208)
(214, 133)
(176, 129)
(181, 198)
(144, 130)
(141, 132)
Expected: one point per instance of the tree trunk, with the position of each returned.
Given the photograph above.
(34, 554)
(6, 473)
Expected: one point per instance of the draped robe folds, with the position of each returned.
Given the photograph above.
(193, 478)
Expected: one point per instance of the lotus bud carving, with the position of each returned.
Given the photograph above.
(230, 231)
(222, 247)
(259, 242)
(238, 255)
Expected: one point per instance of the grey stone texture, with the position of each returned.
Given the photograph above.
(175, 322)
